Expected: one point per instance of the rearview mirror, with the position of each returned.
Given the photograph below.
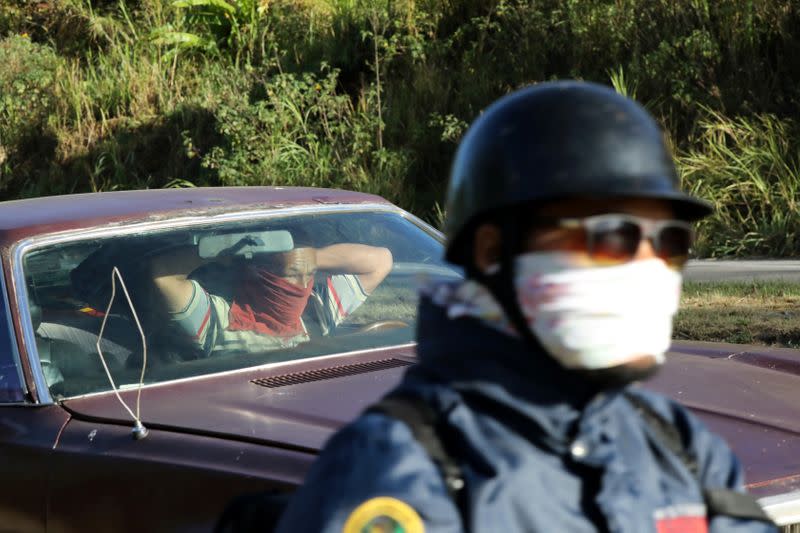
(245, 244)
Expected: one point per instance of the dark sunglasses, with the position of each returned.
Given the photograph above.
(615, 238)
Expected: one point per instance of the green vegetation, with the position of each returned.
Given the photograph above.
(750, 169)
(761, 312)
(373, 95)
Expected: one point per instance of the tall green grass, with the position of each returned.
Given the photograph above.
(374, 95)
(749, 168)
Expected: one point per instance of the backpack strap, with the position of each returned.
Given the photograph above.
(718, 501)
(425, 425)
(423, 421)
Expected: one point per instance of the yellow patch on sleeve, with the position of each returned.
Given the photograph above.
(384, 515)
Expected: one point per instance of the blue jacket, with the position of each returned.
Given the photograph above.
(542, 452)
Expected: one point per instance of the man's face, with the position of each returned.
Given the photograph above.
(296, 266)
(553, 238)
(574, 240)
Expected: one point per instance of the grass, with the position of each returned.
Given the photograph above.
(761, 312)
(749, 168)
(371, 95)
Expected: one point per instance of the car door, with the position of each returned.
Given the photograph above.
(104, 480)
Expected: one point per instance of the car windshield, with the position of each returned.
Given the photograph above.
(226, 296)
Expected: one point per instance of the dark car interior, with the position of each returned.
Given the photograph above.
(70, 286)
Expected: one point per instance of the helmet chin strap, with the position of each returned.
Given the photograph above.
(501, 284)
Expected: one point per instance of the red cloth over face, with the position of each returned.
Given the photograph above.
(268, 304)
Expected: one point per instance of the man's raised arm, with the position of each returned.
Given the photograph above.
(370, 263)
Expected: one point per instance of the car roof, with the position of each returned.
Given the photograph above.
(30, 217)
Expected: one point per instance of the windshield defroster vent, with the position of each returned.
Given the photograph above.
(295, 378)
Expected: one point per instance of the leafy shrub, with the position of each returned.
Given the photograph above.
(376, 95)
(303, 133)
(72, 27)
(236, 29)
(14, 17)
(26, 85)
(26, 94)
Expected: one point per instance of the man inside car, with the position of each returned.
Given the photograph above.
(268, 294)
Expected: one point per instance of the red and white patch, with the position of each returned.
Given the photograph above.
(686, 518)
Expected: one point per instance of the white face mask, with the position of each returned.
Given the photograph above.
(592, 317)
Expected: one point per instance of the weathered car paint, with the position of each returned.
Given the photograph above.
(763, 427)
(20, 219)
(214, 437)
(748, 394)
(27, 437)
(103, 480)
(299, 417)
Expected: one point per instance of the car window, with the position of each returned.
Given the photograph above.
(11, 382)
(228, 296)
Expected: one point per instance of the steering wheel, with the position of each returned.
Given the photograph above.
(381, 325)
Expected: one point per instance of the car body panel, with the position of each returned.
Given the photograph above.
(303, 415)
(103, 480)
(299, 416)
(75, 463)
(27, 437)
(748, 394)
(20, 219)
(12, 381)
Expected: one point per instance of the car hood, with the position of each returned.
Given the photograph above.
(750, 395)
(294, 405)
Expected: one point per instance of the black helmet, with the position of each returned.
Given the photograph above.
(558, 140)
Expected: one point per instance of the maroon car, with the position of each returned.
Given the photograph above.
(135, 391)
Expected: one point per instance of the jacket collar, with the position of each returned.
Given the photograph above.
(482, 363)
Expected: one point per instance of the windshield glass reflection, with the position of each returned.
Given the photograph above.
(227, 296)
